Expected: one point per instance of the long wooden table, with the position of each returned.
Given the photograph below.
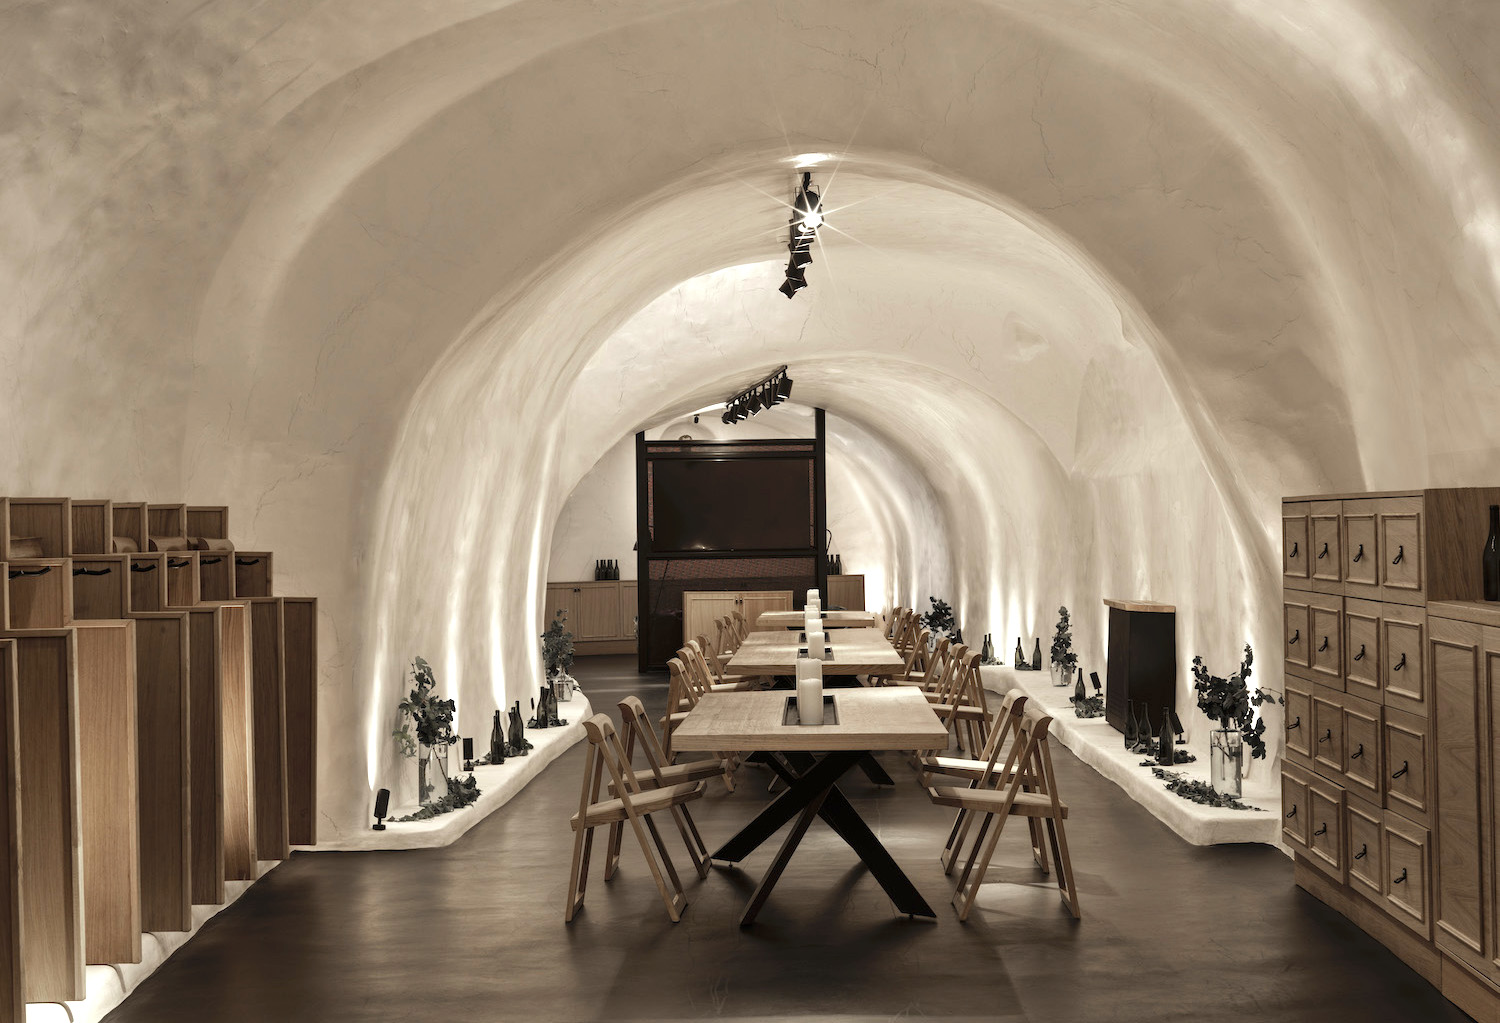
(811, 759)
(831, 620)
(854, 652)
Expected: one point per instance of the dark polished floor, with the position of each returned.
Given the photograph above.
(475, 931)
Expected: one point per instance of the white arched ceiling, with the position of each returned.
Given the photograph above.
(340, 264)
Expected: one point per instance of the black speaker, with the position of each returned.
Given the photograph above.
(468, 754)
(382, 805)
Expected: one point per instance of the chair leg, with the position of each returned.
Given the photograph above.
(955, 846)
(984, 865)
(963, 876)
(612, 850)
(1038, 843)
(1065, 879)
(674, 902)
(578, 879)
(690, 838)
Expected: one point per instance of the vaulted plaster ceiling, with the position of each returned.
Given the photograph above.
(387, 277)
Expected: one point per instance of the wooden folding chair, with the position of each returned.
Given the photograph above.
(961, 703)
(727, 643)
(1028, 789)
(920, 665)
(630, 804)
(974, 769)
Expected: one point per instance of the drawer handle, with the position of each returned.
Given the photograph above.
(1295, 637)
(1399, 664)
(1294, 550)
(1324, 646)
(1400, 555)
(1405, 765)
(1292, 812)
(1401, 879)
(1323, 830)
(1323, 553)
(1358, 753)
(1363, 849)
(1327, 735)
(1361, 655)
(1359, 554)
(1295, 724)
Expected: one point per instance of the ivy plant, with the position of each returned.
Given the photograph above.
(1063, 654)
(1230, 702)
(426, 718)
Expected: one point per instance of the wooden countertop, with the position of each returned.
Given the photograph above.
(1141, 605)
(894, 717)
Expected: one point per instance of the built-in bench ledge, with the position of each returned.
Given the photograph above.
(1100, 746)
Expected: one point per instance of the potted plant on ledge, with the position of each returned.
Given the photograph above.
(1064, 658)
(1230, 702)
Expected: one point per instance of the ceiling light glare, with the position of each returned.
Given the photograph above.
(807, 217)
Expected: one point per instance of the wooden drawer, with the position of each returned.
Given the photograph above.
(1325, 837)
(1362, 648)
(1294, 809)
(1326, 633)
(1328, 733)
(1408, 873)
(1362, 734)
(1327, 562)
(1297, 627)
(1407, 782)
(1399, 534)
(1295, 537)
(1361, 550)
(1299, 721)
(1403, 679)
(1362, 825)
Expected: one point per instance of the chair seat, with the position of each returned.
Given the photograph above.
(956, 767)
(610, 810)
(1027, 804)
(677, 774)
(962, 711)
(735, 684)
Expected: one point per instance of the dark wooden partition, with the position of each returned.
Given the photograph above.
(162, 720)
(252, 573)
(206, 752)
(93, 527)
(237, 754)
(268, 695)
(12, 982)
(101, 586)
(300, 620)
(182, 579)
(148, 582)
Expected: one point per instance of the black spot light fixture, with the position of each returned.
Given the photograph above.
(762, 394)
(807, 217)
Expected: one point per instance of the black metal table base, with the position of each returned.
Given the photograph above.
(812, 791)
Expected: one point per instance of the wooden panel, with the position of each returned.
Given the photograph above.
(1458, 521)
(847, 592)
(1297, 620)
(93, 527)
(629, 607)
(701, 608)
(1362, 664)
(101, 586)
(237, 752)
(1400, 534)
(1361, 550)
(1326, 633)
(561, 599)
(48, 518)
(252, 574)
(1328, 733)
(300, 622)
(166, 520)
(148, 582)
(216, 575)
(268, 685)
(210, 521)
(182, 579)
(51, 849)
(1454, 649)
(1327, 559)
(1404, 673)
(130, 522)
(754, 603)
(1408, 872)
(1299, 721)
(1325, 839)
(1294, 809)
(206, 753)
(1407, 755)
(1362, 749)
(12, 982)
(162, 721)
(596, 613)
(39, 594)
(1296, 535)
(1362, 825)
(107, 769)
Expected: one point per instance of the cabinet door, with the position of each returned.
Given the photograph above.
(1328, 733)
(1399, 525)
(1326, 622)
(1407, 780)
(1295, 535)
(1361, 552)
(1299, 721)
(560, 598)
(1327, 561)
(847, 592)
(1294, 811)
(1453, 653)
(629, 607)
(1403, 680)
(1362, 775)
(1366, 851)
(754, 602)
(597, 614)
(701, 609)
(1362, 649)
(1325, 840)
(1297, 628)
(1408, 871)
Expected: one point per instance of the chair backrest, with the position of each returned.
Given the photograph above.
(697, 665)
(726, 643)
(741, 627)
(605, 754)
(937, 660)
(950, 682)
(637, 727)
(680, 687)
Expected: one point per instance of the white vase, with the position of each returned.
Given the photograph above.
(1226, 751)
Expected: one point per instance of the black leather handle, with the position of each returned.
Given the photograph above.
(1296, 635)
(247, 561)
(1359, 554)
(1327, 735)
(143, 568)
(1294, 550)
(1400, 554)
(1361, 655)
(1405, 766)
(1295, 724)
(1323, 830)
(91, 571)
(1401, 879)
(1358, 753)
(1292, 812)
(1399, 664)
(1363, 849)
(17, 573)
(1324, 646)
(1323, 553)
(209, 561)
(184, 563)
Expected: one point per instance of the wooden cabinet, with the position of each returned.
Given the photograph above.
(701, 608)
(1362, 663)
(847, 592)
(601, 613)
(1327, 560)
(1295, 535)
(1362, 826)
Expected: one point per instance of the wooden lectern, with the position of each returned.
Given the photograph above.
(1142, 660)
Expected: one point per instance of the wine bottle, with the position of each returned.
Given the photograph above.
(1036, 656)
(1492, 556)
(838, 564)
(1021, 664)
(1143, 733)
(1166, 748)
(1078, 693)
(497, 741)
(1130, 736)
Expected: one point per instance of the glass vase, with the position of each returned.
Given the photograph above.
(432, 769)
(1061, 676)
(1226, 749)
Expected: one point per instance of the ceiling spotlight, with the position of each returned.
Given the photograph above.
(790, 287)
(760, 395)
(783, 387)
(807, 217)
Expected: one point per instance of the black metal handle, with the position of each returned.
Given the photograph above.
(184, 563)
(209, 561)
(1401, 879)
(1361, 655)
(1294, 550)
(1358, 753)
(1295, 724)
(143, 568)
(1324, 646)
(1405, 766)
(17, 573)
(1363, 849)
(247, 561)
(1359, 554)
(1322, 830)
(91, 571)
(1400, 555)
(1296, 635)
(1292, 812)
(1327, 735)
(1323, 553)
(1399, 664)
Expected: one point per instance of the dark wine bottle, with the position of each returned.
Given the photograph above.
(1079, 695)
(497, 741)
(1143, 734)
(1166, 748)
(1492, 556)
(1021, 664)
(1130, 737)
(1036, 656)
(838, 564)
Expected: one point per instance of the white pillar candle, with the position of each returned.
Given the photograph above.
(810, 691)
(816, 641)
(813, 596)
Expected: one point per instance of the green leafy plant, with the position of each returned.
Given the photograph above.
(462, 792)
(1063, 654)
(557, 647)
(1230, 702)
(940, 619)
(426, 718)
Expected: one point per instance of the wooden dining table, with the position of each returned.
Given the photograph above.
(831, 620)
(846, 652)
(811, 759)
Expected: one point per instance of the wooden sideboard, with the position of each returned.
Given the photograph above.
(847, 592)
(601, 614)
(1393, 721)
(701, 608)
